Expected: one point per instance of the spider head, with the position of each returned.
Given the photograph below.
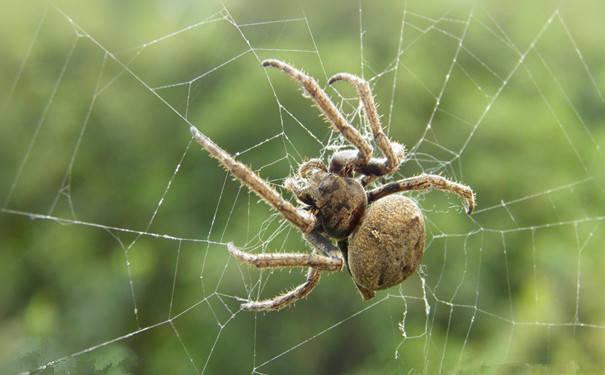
(339, 201)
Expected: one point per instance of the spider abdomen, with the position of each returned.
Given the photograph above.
(388, 244)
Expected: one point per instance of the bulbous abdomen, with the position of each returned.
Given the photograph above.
(388, 244)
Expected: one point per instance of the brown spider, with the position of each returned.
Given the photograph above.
(380, 236)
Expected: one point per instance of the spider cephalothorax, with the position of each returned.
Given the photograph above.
(380, 236)
(339, 201)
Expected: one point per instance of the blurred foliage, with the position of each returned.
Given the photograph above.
(504, 287)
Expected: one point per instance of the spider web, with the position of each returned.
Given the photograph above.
(138, 218)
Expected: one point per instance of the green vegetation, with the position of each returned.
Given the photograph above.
(516, 288)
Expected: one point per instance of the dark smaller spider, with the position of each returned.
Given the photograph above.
(380, 236)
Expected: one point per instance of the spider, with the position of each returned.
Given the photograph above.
(379, 234)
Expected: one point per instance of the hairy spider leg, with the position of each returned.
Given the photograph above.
(425, 182)
(332, 262)
(305, 221)
(283, 260)
(393, 152)
(283, 300)
(327, 107)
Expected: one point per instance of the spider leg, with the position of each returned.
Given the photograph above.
(393, 152)
(424, 182)
(283, 260)
(329, 110)
(283, 300)
(332, 261)
(305, 221)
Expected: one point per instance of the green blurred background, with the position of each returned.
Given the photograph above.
(98, 91)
